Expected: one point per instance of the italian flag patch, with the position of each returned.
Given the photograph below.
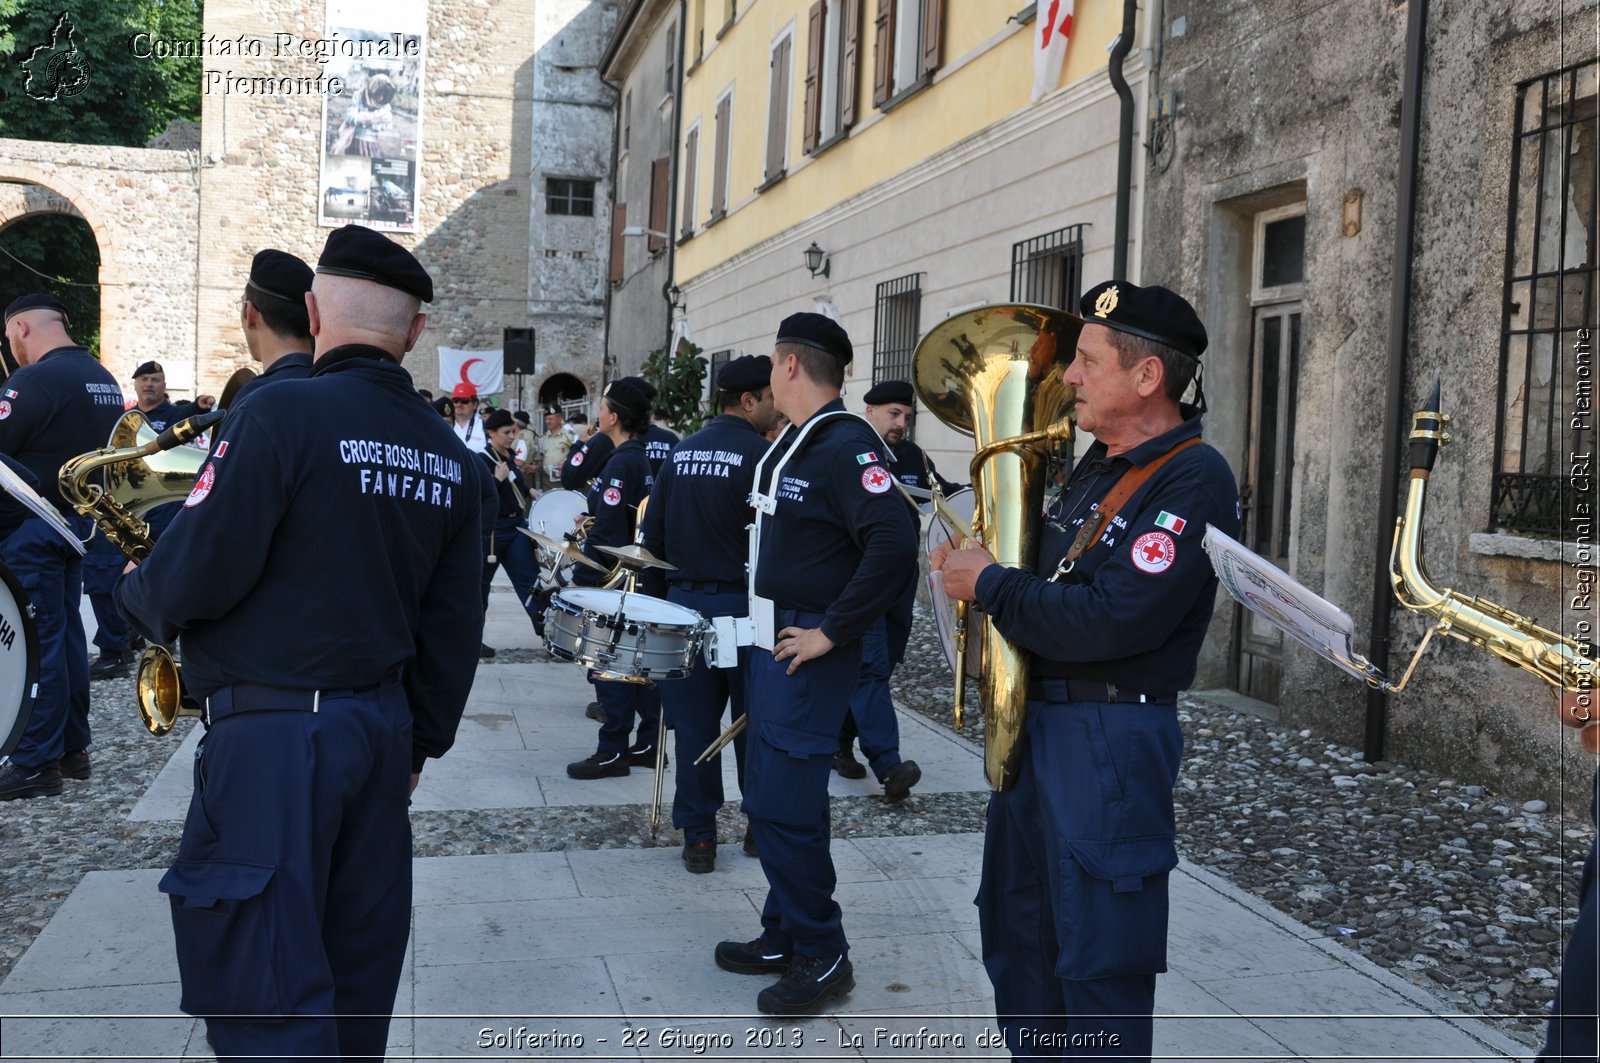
(1173, 524)
(868, 458)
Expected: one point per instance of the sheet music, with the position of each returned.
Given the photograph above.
(18, 488)
(1276, 597)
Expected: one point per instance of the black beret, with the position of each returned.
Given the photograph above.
(523, 417)
(146, 368)
(497, 419)
(1155, 313)
(750, 373)
(645, 386)
(36, 301)
(356, 251)
(280, 275)
(887, 391)
(815, 330)
(626, 393)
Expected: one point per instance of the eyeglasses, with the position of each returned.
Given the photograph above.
(465, 402)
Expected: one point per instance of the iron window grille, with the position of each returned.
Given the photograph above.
(894, 333)
(1048, 270)
(714, 363)
(1542, 424)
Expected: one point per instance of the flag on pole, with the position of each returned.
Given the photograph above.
(1053, 24)
(484, 370)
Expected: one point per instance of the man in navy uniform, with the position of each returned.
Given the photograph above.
(614, 499)
(272, 313)
(658, 439)
(152, 400)
(1073, 902)
(890, 409)
(316, 574)
(697, 518)
(836, 549)
(59, 404)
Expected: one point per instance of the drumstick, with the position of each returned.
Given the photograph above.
(735, 729)
(661, 772)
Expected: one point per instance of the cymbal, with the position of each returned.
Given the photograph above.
(635, 556)
(564, 549)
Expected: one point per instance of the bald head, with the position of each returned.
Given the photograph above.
(351, 310)
(33, 334)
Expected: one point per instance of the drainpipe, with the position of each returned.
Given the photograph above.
(1119, 52)
(1395, 395)
(672, 170)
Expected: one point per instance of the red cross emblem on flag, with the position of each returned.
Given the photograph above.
(1154, 552)
(876, 478)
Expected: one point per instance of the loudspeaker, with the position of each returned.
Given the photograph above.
(520, 347)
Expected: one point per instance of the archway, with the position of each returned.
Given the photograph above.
(46, 245)
(566, 391)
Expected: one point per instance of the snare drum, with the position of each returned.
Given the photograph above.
(632, 636)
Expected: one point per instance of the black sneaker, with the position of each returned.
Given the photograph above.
(700, 857)
(601, 765)
(750, 957)
(901, 778)
(485, 651)
(595, 712)
(808, 983)
(750, 845)
(643, 755)
(17, 781)
(111, 665)
(75, 765)
(846, 764)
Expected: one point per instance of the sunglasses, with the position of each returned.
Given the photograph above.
(465, 402)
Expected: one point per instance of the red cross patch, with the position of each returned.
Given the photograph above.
(577, 459)
(1154, 552)
(5, 409)
(612, 496)
(876, 479)
(202, 487)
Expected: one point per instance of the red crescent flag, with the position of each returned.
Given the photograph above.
(484, 370)
(1053, 27)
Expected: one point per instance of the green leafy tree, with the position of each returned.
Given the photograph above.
(72, 75)
(680, 382)
(54, 253)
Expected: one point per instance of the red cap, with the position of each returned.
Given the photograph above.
(464, 391)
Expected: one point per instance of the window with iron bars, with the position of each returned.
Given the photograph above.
(894, 331)
(1546, 364)
(714, 363)
(1048, 269)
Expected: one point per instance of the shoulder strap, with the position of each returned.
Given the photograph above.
(1130, 481)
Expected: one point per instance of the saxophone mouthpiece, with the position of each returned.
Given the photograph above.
(1427, 433)
(185, 430)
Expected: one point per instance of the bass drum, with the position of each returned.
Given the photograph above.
(943, 606)
(19, 661)
(554, 514)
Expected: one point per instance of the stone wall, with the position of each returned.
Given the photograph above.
(141, 205)
(1268, 113)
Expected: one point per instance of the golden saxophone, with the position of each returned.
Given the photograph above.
(142, 470)
(1557, 660)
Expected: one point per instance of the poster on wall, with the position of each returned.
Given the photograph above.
(372, 130)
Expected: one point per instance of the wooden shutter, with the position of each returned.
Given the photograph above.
(850, 73)
(691, 155)
(719, 159)
(778, 108)
(659, 171)
(619, 218)
(813, 120)
(883, 54)
(929, 40)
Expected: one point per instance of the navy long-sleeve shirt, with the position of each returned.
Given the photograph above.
(1134, 609)
(60, 406)
(700, 505)
(585, 461)
(332, 539)
(842, 541)
(614, 497)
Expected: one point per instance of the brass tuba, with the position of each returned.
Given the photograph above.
(1555, 659)
(995, 374)
(142, 470)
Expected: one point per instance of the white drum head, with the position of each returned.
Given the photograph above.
(591, 599)
(554, 512)
(643, 609)
(19, 661)
(944, 607)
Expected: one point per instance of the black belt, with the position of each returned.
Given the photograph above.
(1046, 688)
(709, 586)
(253, 697)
